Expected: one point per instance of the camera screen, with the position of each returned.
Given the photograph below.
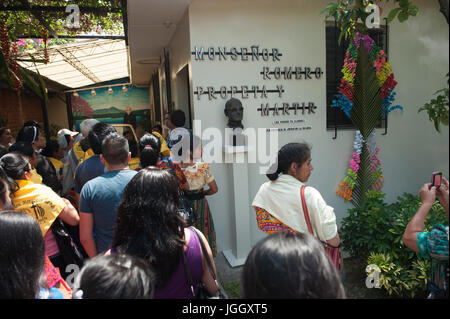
(437, 180)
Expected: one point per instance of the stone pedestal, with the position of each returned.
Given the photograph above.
(237, 157)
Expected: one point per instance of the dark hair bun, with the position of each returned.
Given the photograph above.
(150, 147)
(273, 172)
(288, 154)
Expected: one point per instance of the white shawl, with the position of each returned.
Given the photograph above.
(281, 198)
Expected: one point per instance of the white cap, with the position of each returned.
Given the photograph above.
(61, 136)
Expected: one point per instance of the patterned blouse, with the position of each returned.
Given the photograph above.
(269, 224)
(198, 175)
(52, 273)
(434, 245)
(167, 164)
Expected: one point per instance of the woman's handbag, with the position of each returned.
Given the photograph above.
(333, 252)
(186, 209)
(202, 292)
(67, 249)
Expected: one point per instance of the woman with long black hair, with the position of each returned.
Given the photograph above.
(22, 259)
(148, 226)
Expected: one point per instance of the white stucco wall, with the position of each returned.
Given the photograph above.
(418, 52)
(179, 56)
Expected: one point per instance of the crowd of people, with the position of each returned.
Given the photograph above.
(74, 201)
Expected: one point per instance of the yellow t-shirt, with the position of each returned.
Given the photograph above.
(57, 164)
(36, 178)
(80, 154)
(164, 149)
(38, 201)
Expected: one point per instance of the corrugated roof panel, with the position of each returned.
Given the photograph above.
(83, 62)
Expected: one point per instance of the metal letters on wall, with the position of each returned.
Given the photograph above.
(252, 54)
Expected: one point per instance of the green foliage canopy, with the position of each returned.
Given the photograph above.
(351, 15)
(108, 20)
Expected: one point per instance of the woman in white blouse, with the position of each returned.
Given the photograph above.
(278, 203)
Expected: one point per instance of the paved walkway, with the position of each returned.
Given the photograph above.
(225, 272)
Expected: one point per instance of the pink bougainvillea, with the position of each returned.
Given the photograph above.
(81, 107)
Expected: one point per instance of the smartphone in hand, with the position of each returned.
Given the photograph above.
(436, 179)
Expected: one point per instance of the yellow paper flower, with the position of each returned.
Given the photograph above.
(384, 73)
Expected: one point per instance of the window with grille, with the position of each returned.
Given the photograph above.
(335, 54)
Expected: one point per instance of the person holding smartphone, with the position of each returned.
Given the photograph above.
(434, 244)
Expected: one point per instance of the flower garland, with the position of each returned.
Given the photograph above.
(344, 100)
(4, 40)
(345, 103)
(375, 171)
(10, 53)
(385, 77)
(14, 66)
(346, 186)
(44, 40)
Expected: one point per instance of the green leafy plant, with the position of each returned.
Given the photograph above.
(106, 20)
(53, 131)
(376, 226)
(405, 9)
(438, 107)
(374, 231)
(361, 228)
(104, 17)
(12, 73)
(351, 15)
(407, 281)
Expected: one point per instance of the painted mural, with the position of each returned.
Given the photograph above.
(110, 107)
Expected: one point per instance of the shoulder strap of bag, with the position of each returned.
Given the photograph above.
(221, 292)
(208, 261)
(187, 272)
(305, 210)
(308, 221)
(205, 253)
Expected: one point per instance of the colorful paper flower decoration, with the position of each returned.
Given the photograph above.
(346, 186)
(385, 77)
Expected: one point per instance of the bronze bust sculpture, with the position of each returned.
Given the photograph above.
(235, 112)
